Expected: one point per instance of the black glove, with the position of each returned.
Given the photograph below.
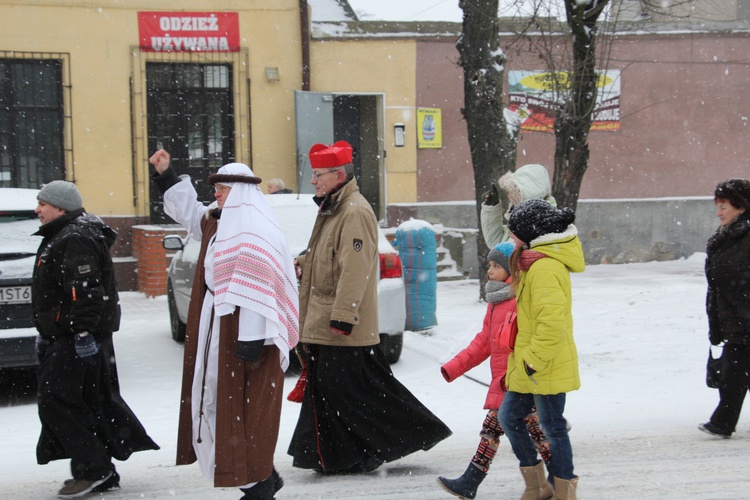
(86, 347)
(341, 327)
(40, 347)
(249, 350)
(714, 337)
(530, 372)
(492, 197)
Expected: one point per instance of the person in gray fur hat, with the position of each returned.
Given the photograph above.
(526, 183)
(76, 309)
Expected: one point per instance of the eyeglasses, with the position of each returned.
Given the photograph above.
(317, 175)
(222, 189)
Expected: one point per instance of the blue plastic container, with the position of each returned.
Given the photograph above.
(415, 241)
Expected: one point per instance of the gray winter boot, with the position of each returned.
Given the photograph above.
(565, 489)
(537, 487)
(466, 485)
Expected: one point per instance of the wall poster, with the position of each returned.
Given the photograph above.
(532, 102)
(429, 128)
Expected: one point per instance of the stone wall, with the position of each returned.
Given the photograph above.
(611, 231)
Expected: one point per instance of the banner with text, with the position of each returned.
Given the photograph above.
(189, 31)
(532, 102)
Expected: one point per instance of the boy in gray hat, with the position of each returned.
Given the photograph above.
(76, 309)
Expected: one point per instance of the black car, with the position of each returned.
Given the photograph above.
(17, 253)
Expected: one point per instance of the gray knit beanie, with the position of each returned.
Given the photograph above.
(61, 194)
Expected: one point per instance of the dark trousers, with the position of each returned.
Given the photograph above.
(356, 415)
(83, 415)
(735, 381)
(68, 401)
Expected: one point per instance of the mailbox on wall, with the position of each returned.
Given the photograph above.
(399, 132)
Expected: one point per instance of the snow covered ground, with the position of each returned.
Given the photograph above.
(641, 336)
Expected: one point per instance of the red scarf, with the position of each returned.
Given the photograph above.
(527, 258)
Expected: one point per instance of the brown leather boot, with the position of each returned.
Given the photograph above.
(565, 489)
(537, 487)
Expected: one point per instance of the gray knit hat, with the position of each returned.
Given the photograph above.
(61, 194)
(500, 253)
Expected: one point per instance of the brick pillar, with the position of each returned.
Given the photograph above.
(151, 259)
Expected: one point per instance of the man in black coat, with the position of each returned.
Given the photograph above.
(76, 309)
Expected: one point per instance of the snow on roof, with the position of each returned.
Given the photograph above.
(385, 29)
(384, 19)
(328, 10)
(430, 18)
(413, 10)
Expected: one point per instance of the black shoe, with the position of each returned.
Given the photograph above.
(74, 488)
(278, 481)
(263, 490)
(714, 430)
(111, 484)
(465, 486)
(368, 464)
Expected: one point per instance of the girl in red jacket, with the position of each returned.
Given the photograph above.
(493, 342)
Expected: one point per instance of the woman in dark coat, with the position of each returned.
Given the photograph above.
(728, 301)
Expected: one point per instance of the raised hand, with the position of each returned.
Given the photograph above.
(160, 160)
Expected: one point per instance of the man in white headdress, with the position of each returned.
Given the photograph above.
(242, 323)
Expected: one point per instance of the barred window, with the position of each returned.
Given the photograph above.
(191, 115)
(31, 122)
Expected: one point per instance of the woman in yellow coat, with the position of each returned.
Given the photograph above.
(544, 364)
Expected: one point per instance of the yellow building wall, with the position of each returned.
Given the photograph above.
(99, 37)
(377, 66)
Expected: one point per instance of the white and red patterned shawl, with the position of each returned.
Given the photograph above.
(253, 266)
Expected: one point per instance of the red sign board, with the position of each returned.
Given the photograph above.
(189, 31)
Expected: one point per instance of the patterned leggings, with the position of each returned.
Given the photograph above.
(490, 439)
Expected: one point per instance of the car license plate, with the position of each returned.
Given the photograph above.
(15, 295)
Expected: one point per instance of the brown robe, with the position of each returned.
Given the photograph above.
(249, 395)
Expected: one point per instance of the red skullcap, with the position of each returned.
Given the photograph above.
(338, 155)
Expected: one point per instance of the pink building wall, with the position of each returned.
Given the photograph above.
(684, 119)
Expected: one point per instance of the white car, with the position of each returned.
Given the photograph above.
(296, 215)
(17, 254)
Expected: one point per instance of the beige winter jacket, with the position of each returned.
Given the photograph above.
(339, 272)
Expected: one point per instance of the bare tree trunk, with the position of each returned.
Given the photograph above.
(573, 119)
(493, 149)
